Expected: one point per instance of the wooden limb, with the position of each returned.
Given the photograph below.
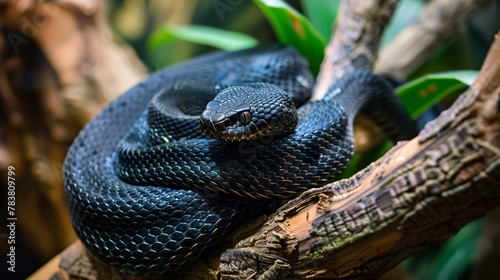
(438, 21)
(355, 40)
(354, 45)
(419, 193)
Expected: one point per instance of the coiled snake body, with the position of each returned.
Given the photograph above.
(148, 189)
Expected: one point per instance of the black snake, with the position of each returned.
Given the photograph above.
(148, 189)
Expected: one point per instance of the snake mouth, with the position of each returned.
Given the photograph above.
(220, 129)
(219, 125)
(208, 127)
(234, 128)
(210, 123)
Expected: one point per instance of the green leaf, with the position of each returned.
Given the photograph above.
(222, 39)
(420, 94)
(294, 29)
(322, 14)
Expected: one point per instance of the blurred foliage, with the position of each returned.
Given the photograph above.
(178, 33)
(451, 260)
(322, 14)
(292, 28)
(420, 94)
(199, 34)
(237, 16)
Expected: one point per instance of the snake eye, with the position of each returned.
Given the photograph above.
(245, 118)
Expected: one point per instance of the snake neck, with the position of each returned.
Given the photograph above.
(373, 95)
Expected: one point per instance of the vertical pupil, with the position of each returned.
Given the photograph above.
(245, 118)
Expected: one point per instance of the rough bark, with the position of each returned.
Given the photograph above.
(330, 68)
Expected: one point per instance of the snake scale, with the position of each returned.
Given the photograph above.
(149, 189)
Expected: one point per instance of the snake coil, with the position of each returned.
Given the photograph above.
(149, 191)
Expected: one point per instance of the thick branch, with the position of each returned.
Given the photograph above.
(419, 193)
(355, 45)
(438, 21)
(355, 40)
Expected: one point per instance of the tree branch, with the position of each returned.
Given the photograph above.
(437, 22)
(355, 40)
(354, 45)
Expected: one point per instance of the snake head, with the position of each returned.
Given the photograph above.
(248, 112)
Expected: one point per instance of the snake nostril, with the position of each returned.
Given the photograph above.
(228, 122)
